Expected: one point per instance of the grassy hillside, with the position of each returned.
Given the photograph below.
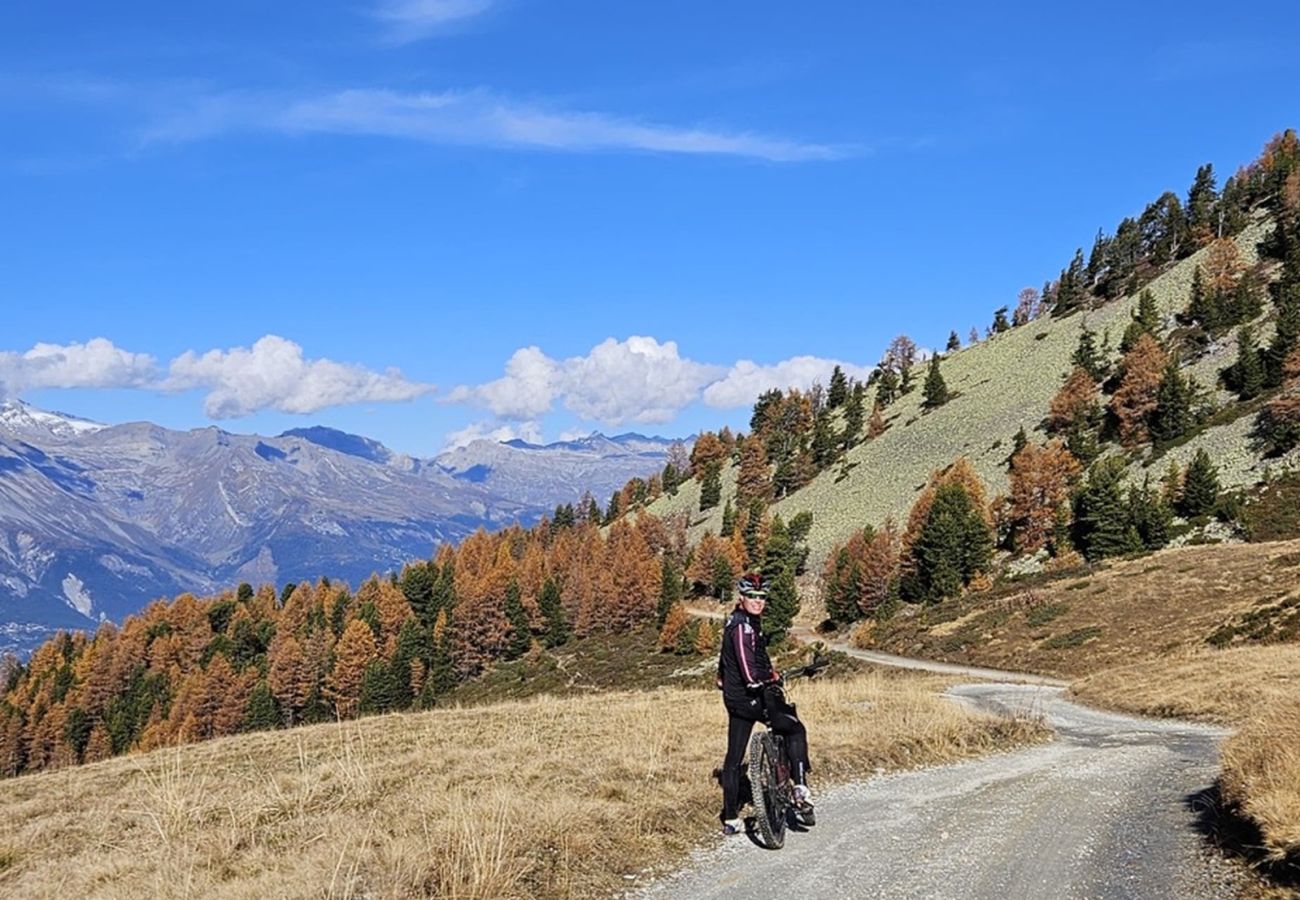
(549, 797)
(1126, 612)
(1000, 384)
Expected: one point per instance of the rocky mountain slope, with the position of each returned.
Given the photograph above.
(95, 521)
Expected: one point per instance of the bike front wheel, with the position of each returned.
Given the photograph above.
(769, 801)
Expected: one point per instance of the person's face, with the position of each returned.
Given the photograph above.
(753, 605)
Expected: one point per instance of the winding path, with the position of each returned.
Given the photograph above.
(1106, 810)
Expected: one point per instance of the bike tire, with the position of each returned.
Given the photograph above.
(769, 805)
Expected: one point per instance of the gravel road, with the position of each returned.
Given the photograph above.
(1101, 812)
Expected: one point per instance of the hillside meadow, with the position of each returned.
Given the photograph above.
(998, 385)
(545, 797)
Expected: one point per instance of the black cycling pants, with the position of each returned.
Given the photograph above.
(784, 722)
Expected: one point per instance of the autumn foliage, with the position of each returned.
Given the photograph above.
(194, 669)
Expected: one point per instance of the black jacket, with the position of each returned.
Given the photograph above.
(743, 664)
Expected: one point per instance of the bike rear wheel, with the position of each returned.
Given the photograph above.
(770, 802)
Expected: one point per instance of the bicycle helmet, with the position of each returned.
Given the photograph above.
(751, 585)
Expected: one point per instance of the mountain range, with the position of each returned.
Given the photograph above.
(96, 520)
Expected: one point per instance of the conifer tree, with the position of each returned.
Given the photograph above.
(1101, 514)
(378, 693)
(887, 388)
(552, 612)
(1173, 416)
(954, 342)
(839, 389)
(1248, 372)
(711, 486)
(936, 389)
(782, 604)
(824, 448)
(354, 653)
(954, 544)
(1086, 355)
(670, 588)
(1135, 399)
(854, 412)
(1202, 203)
(728, 520)
(1200, 486)
(262, 714)
(614, 509)
(411, 647)
(1150, 515)
(1000, 321)
(442, 670)
(753, 480)
(1019, 441)
(974, 336)
(521, 636)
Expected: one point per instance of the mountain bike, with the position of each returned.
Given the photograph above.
(771, 787)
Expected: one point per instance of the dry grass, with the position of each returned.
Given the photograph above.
(1149, 608)
(547, 797)
(1230, 687)
(1261, 776)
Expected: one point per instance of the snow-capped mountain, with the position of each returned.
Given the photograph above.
(96, 521)
(23, 418)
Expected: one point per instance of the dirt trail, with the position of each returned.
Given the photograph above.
(1107, 810)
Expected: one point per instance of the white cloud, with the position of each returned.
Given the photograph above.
(746, 379)
(636, 380)
(412, 20)
(465, 117)
(529, 388)
(94, 364)
(274, 375)
(493, 431)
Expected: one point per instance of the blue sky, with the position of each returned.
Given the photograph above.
(422, 220)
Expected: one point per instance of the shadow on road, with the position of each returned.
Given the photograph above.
(1237, 837)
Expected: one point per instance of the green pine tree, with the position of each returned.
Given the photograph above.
(935, 392)
(670, 588)
(1101, 514)
(711, 486)
(1087, 356)
(557, 630)
(1150, 515)
(854, 415)
(839, 389)
(782, 605)
(1248, 371)
(954, 342)
(1173, 414)
(728, 520)
(1200, 486)
(412, 644)
(1000, 321)
(378, 692)
(521, 636)
(261, 714)
(954, 545)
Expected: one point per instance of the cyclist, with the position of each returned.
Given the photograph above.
(744, 671)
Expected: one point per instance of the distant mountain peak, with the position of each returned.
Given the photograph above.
(21, 417)
(342, 442)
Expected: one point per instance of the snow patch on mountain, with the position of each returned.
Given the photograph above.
(74, 591)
